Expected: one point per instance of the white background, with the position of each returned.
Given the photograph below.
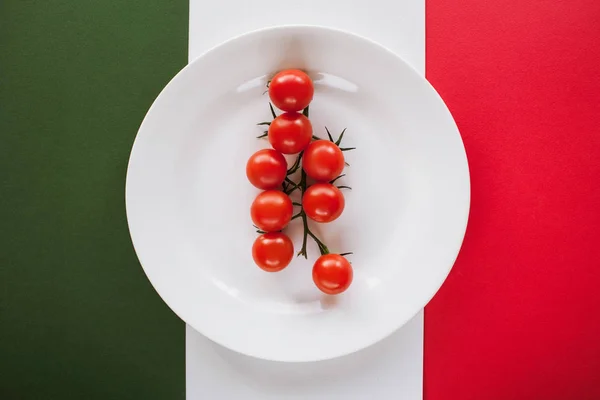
(392, 368)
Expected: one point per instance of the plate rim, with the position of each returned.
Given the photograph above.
(274, 28)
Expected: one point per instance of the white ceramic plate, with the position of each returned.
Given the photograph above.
(188, 198)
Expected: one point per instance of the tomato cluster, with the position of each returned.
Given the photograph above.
(322, 162)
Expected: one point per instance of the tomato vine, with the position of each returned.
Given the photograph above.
(289, 186)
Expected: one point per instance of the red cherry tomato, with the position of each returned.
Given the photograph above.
(323, 160)
(323, 202)
(291, 90)
(290, 133)
(332, 273)
(273, 251)
(271, 211)
(266, 169)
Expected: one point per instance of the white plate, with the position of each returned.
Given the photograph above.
(188, 198)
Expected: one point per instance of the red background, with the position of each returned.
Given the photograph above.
(519, 315)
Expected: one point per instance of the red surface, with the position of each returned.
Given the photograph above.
(519, 316)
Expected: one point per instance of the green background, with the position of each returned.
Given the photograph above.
(78, 318)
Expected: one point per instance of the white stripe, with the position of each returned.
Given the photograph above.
(394, 367)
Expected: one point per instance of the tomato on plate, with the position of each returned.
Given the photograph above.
(323, 160)
(332, 273)
(273, 251)
(271, 210)
(290, 133)
(291, 90)
(266, 169)
(323, 202)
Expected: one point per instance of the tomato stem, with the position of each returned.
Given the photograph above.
(272, 110)
(307, 232)
(341, 186)
(322, 248)
(289, 186)
(295, 165)
(258, 230)
(335, 179)
(267, 91)
(340, 138)
(292, 184)
(329, 135)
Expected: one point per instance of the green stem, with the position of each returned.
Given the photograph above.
(340, 138)
(333, 181)
(307, 232)
(322, 248)
(292, 184)
(329, 135)
(296, 165)
(302, 185)
(305, 237)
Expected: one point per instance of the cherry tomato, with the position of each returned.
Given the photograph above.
(323, 202)
(291, 90)
(271, 210)
(290, 133)
(273, 251)
(323, 160)
(266, 169)
(332, 273)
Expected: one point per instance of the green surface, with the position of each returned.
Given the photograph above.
(78, 318)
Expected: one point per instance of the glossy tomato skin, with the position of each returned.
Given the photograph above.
(290, 133)
(323, 202)
(332, 273)
(323, 160)
(273, 251)
(291, 90)
(266, 169)
(271, 210)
